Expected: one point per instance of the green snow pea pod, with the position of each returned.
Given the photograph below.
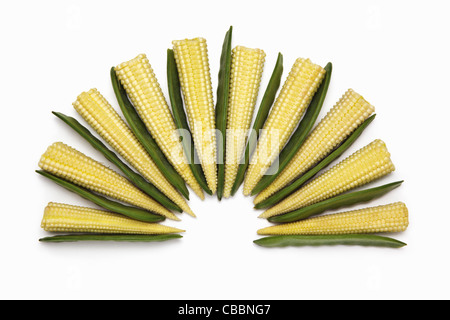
(329, 240)
(111, 237)
(223, 90)
(343, 200)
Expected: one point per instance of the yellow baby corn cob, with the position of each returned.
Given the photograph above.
(101, 116)
(191, 56)
(246, 70)
(348, 113)
(142, 87)
(60, 217)
(386, 218)
(72, 165)
(365, 165)
(296, 94)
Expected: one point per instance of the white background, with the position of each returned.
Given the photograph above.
(395, 53)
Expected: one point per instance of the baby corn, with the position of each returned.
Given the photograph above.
(191, 56)
(72, 165)
(296, 94)
(349, 112)
(246, 70)
(141, 85)
(386, 218)
(365, 165)
(101, 116)
(60, 217)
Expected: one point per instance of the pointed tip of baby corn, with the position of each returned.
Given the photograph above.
(185, 207)
(199, 192)
(262, 195)
(264, 215)
(176, 230)
(164, 229)
(270, 213)
(257, 200)
(172, 216)
(190, 212)
(264, 231)
(213, 187)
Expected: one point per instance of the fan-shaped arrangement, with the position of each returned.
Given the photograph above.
(163, 146)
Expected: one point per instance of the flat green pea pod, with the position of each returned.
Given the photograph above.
(343, 200)
(117, 207)
(111, 237)
(135, 178)
(329, 240)
(261, 116)
(283, 193)
(139, 129)
(180, 119)
(223, 90)
(301, 133)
